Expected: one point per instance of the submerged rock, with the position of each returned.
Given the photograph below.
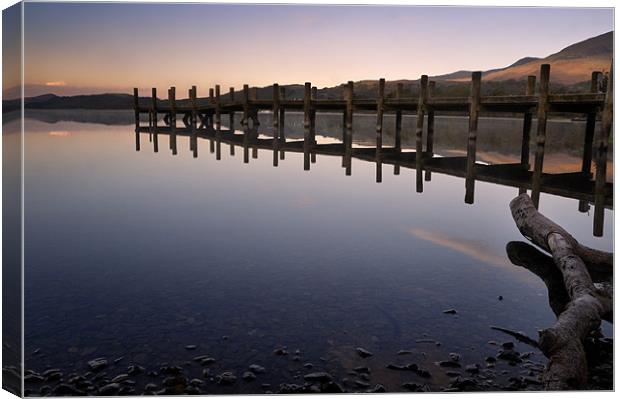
(256, 368)
(449, 363)
(248, 376)
(67, 390)
(110, 389)
(134, 369)
(280, 352)
(98, 364)
(226, 378)
(472, 368)
(319, 376)
(363, 353)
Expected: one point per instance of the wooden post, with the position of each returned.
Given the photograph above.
(399, 118)
(218, 124)
(601, 156)
(218, 110)
(173, 119)
(244, 123)
(276, 121)
(137, 140)
(418, 132)
(474, 110)
(527, 127)
(314, 96)
(349, 128)
(211, 102)
(430, 130)
(281, 133)
(590, 127)
(307, 131)
(154, 106)
(194, 105)
(380, 109)
(586, 165)
(379, 131)
(254, 97)
(246, 106)
(231, 113)
(398, 125)
(136, 107)
(154, 124)
(541, 132)
(189, 123)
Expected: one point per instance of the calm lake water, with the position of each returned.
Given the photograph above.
(135, 255)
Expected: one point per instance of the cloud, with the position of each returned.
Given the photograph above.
(55, 83)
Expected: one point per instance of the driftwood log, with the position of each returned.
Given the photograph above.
(588, 304)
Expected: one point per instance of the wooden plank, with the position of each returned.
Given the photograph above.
(474, 110)
(541, 133)
(601, 156)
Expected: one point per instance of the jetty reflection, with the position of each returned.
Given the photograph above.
(568, 185)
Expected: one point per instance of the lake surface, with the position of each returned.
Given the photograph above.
(133, 256)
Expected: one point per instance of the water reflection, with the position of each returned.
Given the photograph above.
(132, 256)
(576, 185)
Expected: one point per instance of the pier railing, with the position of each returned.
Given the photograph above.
(204, 121)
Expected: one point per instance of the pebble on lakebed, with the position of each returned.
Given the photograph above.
(363, 353)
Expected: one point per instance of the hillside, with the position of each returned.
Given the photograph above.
(573, 64)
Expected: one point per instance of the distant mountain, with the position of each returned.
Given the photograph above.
(52, 101)
(573, 64)
(570, 71)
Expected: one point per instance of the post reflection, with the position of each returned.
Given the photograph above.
(276, 142)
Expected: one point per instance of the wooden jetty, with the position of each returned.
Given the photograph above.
(204, 120)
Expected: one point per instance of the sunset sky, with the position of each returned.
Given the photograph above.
(113, 47)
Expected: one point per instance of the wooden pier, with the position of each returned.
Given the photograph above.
(204, 121)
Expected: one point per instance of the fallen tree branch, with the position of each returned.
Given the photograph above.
(537, 228)
(563, 342)
(527, 256)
